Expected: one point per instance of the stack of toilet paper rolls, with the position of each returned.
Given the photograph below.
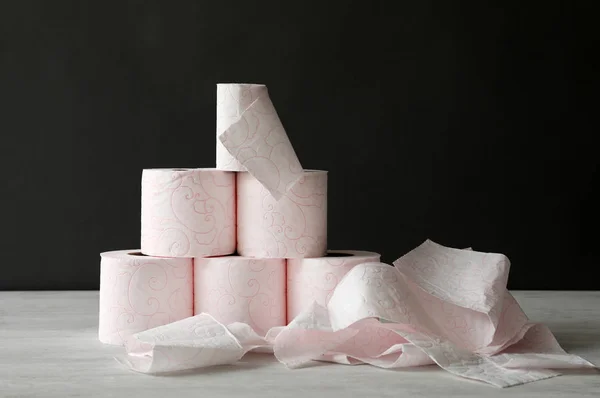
(244, 242)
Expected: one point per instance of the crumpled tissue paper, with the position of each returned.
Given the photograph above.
(436, 305)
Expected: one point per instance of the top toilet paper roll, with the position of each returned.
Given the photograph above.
(188, 212)
(250, 137)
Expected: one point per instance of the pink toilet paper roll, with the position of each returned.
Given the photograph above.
(294, 226)
(241, 289)
(188, 212)
(232, 101)
(314, 279)
(139, 292)
(252, 138)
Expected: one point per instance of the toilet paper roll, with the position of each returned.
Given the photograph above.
(251, 137)
(241, 289)
(294, 226)
(314, 279)
(188, 212)
(232, 101)
(139, 292)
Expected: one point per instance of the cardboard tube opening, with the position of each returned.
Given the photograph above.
(339, 255)
(137, 254)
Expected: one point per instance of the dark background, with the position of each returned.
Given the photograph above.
(470, 123)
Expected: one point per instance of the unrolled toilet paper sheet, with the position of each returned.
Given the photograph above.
(437, 305)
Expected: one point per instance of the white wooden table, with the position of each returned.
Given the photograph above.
(49, 348)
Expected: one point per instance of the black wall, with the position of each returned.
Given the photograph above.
(470, 123)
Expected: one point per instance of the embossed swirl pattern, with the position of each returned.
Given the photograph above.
(249, 128)
(188, 213)
(314, 279)
(138, 293)
(291, 227)
(238, 289)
